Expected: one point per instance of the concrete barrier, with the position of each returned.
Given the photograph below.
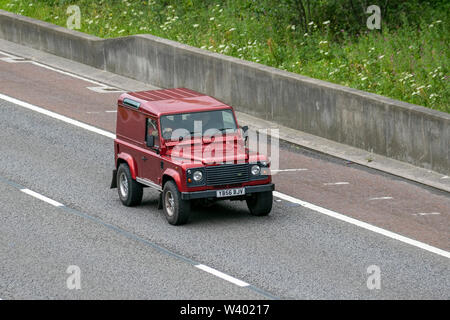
(388, 127)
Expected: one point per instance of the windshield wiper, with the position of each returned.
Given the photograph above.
(223, 129)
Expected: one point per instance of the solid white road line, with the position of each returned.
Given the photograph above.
(222, 275)
(41, 197)
(305, 204)
(54, 69)
(8, 55)
(67, 73)
(364, 225)
(381, 198)
(13, 60)
(58, 116)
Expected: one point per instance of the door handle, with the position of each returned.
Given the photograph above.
(144, 158)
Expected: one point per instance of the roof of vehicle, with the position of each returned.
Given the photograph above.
(169, 101)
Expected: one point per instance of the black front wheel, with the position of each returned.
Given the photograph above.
(260, 204)
(175, 209)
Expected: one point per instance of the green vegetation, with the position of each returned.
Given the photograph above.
(326, 39)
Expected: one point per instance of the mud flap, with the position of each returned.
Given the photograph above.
(114, 180)
(160, 204)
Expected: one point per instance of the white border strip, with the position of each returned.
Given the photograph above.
(222, 275)
(285, 197)
(41, 197)
(364, 225)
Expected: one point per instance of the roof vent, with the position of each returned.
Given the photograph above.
(131, 103)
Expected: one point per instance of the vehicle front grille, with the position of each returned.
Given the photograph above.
(227, 174)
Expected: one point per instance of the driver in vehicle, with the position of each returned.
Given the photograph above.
(209, 124)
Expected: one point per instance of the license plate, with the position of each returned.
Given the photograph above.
(230, 192)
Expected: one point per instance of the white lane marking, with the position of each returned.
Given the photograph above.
(101, 89)
(445, 177)
(289, 170)
(14, 60)
(67, 73)
(277, 194)
(222, 275)
(8, 55)
(111, 111)
(104, 89)
(54, 69)
(41, 197)
(426, 213)
(364, 225)
(58, 116)
(92, 112)
(335, 183)
(381, 198)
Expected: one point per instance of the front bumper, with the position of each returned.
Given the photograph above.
(212, 193)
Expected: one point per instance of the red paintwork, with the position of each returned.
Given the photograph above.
(130, 161)
(167, 101)
(130, 142)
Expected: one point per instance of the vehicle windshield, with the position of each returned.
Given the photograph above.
(206, 123)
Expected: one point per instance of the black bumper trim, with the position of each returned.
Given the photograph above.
(212, 193)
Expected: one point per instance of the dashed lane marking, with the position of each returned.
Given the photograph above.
(426, 214)
(289, 170)
(41, 197)
(222, 275)
(335, 183)
(130, 235)
(105, 89)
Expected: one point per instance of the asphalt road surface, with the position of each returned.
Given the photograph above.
(70, 217)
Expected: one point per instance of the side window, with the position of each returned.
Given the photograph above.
(152, 130)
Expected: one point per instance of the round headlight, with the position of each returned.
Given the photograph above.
(198, 175)
(256, 170)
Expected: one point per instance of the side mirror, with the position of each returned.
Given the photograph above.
(150, 141)
(245, 133)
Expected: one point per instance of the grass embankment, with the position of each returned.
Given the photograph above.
(407, 60)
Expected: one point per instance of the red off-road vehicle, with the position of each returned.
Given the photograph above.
(187, 146)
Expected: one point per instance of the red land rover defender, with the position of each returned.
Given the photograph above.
(188, 146)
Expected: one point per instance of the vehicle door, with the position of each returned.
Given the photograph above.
(150, 162)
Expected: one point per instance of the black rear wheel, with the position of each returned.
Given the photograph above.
(130, 191)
